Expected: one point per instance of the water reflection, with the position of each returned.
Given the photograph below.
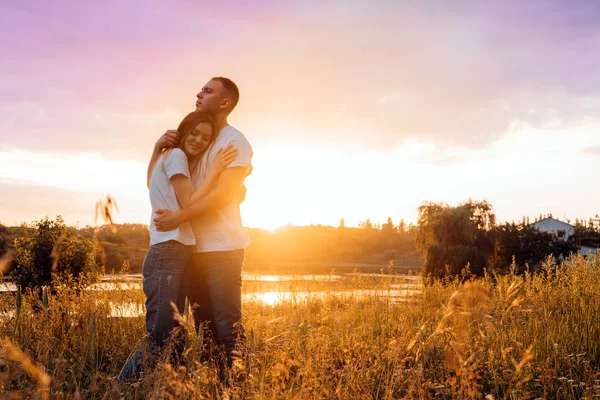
(402, 288)
(268, 298)
(7, 287)
(7, 315)
(134, 281)
(272, 298)
(266, 278)
(247, 276)
(380, 275)
(126, 310)
(101, 286)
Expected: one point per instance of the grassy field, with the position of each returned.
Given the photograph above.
(506, 337)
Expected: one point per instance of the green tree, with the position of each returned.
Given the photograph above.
(527, 245)
(586, 236)
(388, 227)
(450, 238)
(366, 225)
(3, 241)
(402, 226)
(53, 250)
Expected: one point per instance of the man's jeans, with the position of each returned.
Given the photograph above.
(215, 292)
(162, 274)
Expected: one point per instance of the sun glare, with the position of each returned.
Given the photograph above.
(267, 298)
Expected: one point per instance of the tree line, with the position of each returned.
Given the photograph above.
(445, 240)
(452, 238)
(48, 248)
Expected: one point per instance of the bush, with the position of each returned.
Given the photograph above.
(53, 250)
(526, 245)
(450, 238)
(3, 244)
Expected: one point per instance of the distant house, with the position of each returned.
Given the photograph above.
(588, 251)
(555, 227)
(563, 231)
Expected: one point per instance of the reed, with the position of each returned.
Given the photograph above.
(535, 335)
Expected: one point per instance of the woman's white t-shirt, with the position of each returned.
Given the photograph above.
(162, 195)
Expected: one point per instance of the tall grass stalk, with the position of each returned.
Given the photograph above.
(535, 335)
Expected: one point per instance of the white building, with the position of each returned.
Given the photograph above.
(587, 251)
(562, 230)
(556, 227)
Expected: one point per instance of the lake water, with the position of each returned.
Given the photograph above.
(270, 289)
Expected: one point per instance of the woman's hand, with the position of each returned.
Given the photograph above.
(224, 157)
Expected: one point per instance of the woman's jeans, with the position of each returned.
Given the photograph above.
(162, 274)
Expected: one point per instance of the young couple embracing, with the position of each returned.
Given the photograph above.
(197, 241)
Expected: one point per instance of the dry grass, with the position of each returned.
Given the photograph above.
(506, 337)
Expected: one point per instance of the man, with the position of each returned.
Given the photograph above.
(215, 273)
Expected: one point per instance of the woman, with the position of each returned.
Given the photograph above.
(170, 188)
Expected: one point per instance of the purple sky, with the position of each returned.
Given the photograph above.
(457, 73)
(461, 76)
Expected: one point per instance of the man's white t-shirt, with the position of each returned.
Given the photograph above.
(162, 195)
(223, 230)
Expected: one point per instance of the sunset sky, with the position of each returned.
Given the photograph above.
(355, 109)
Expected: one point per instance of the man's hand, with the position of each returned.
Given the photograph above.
(168, 139)
(167, 220)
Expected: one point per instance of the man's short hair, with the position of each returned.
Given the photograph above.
(231, 88)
